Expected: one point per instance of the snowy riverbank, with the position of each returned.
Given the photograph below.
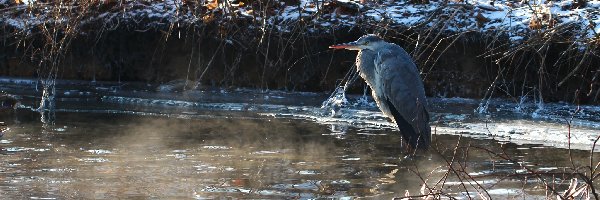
(474, 49)
(517, 21)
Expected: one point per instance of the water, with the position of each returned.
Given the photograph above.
(113, 141)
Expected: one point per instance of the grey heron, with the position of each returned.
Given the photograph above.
(396, 86)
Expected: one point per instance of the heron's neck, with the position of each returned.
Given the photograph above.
(365, 65)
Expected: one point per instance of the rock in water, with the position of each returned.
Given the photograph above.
(3, 129)
(8, 102)
(177, 86)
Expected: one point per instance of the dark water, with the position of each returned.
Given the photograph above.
(110, 142)
(243, 155)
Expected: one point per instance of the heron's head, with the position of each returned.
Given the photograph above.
(365, 42)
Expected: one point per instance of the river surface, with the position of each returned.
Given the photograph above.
(115, 140)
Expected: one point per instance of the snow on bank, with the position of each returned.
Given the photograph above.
(516, 21)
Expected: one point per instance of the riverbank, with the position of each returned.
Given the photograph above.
(475, 49)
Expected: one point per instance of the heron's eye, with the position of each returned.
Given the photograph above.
(367, 42)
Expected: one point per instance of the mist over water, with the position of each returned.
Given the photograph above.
(130, 142)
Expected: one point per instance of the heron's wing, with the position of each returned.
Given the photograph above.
(403, 91)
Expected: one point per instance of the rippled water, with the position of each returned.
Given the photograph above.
(135, 143)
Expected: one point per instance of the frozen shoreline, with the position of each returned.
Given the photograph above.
(504, 120)
(455, 116)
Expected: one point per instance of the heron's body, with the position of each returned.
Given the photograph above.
(396, 87)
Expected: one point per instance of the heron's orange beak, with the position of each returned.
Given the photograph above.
(350, 45)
